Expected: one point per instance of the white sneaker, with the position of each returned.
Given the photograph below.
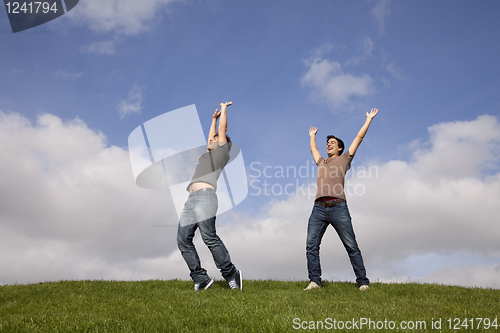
(364, 287)
(312, 285)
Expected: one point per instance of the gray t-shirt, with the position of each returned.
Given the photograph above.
(210, 165)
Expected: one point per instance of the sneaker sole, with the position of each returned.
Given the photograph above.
(209, 284)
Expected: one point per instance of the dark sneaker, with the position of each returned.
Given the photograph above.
(237, 281)
(204, 285)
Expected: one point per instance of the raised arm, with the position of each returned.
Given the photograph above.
(362, 132)
(314, 147)
(223, 122)
(213, 127)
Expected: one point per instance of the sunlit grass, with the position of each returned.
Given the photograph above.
(262, 306)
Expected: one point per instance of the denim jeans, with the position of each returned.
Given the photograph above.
(199, 212)
(338, 216)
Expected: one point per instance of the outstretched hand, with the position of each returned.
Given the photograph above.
(313, 131)
(225, 105)
(216, 114)
(370, 115)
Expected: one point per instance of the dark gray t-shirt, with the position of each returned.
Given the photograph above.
(210, 165)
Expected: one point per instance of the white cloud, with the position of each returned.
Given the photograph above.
(69, 209)
(104, 47)
(466, 275)
(17, 71)
(133, 102)
(128, 17)
(367, 46)
(391, 68)
(390, 65)
(380, 12)
(445, 200)
(68, 75)
(331, 85)
(321, 51)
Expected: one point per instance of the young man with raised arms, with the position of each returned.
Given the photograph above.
(201, 208)
(330, 206)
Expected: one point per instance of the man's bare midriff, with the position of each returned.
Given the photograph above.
(198, 186)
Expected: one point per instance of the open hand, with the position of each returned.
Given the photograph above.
(372, 113)
(216, 114)
(225, 105)
(313, 131)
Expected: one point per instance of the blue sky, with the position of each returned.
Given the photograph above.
(431, 68)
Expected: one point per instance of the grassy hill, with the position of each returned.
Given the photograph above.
(262, 306)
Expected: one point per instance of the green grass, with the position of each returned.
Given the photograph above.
(262, 306)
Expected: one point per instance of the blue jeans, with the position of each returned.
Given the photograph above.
(338, 216)
(199, 212)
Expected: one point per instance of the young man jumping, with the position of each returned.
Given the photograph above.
(201, 208)
(330, 206)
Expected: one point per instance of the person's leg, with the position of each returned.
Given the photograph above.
(316, 228)
(217, 248)
(209, 235)
(185, 235)
(341, 221)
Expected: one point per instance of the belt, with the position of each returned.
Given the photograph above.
(205, 189)
(329, 203)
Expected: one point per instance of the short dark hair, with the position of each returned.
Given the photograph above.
(340, 143)
(228, 139)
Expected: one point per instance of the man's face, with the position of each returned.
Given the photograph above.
(213, 143)
(332, 147)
